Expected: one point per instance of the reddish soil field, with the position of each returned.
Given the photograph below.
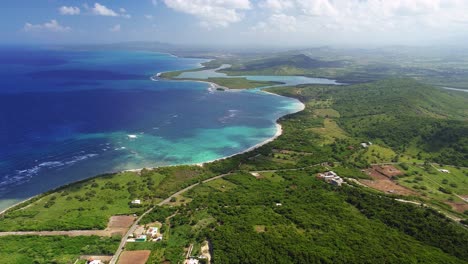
(119, 224)
(383, 183)
(134, 257)
(120, 221)
(459, 207)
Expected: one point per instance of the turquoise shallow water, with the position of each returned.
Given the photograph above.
(286, 80)
(69, 115)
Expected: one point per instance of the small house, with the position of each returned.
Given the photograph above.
(444, 171)
(141, 238)
(136, 202)
(193, 261)
(152, 231)
(94, 261)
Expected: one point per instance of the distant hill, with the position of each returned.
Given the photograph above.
(298, 61)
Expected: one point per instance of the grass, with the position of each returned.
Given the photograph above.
(378, 154)
(240, 83)
(428, 181)
(221, 185)
(85, 205)
(330, 131)
(90, 204)
(53, 249)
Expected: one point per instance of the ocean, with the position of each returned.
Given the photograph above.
(66, 115)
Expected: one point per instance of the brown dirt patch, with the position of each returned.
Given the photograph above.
(134, 257)
(459, 207)
(119, 224)
(387, 170)
(120, 221)
(384, 184)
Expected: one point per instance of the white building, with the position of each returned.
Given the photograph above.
(136, 202)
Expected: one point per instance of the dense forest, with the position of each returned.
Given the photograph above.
(294, 218)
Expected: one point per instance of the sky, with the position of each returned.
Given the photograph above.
(237, 22)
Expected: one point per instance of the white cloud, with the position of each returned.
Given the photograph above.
(277, 5)
(102, 10)
(115, 28)
(69, 10)
(52, 26)
(154, 2)
(149, 17)
(363, 21)
(277, 22)
(212, 13)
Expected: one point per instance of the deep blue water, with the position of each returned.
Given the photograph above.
(68, 115)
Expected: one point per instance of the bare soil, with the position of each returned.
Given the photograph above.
(459, 207)
(134, 257)
(383, 183)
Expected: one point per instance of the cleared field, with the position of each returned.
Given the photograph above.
(384, 184)
(134, 257)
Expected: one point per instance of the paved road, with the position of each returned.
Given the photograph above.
(130, 231)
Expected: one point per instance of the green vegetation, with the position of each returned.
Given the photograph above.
(240, 83)
(53, 249)
(272, 209)
(436, 67)
(345, 225)
(429, 181)
(90, 204)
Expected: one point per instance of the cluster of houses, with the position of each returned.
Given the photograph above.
(331, 177)
(149, 234)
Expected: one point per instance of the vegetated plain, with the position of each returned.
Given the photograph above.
(285, 208)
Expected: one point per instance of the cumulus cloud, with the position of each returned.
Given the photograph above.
(149, 17)
(69, 10)
(355, 20)
(115, 28)
(102, 10)
(52, 26)
(212, 13)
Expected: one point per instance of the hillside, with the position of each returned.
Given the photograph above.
(402, 114)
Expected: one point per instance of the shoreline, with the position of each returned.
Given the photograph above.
(212, 88)
(279, 132)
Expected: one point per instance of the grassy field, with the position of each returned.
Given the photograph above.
(53, 249)
(90, 204)
(428, 181)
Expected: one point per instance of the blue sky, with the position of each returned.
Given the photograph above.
(236, 22)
